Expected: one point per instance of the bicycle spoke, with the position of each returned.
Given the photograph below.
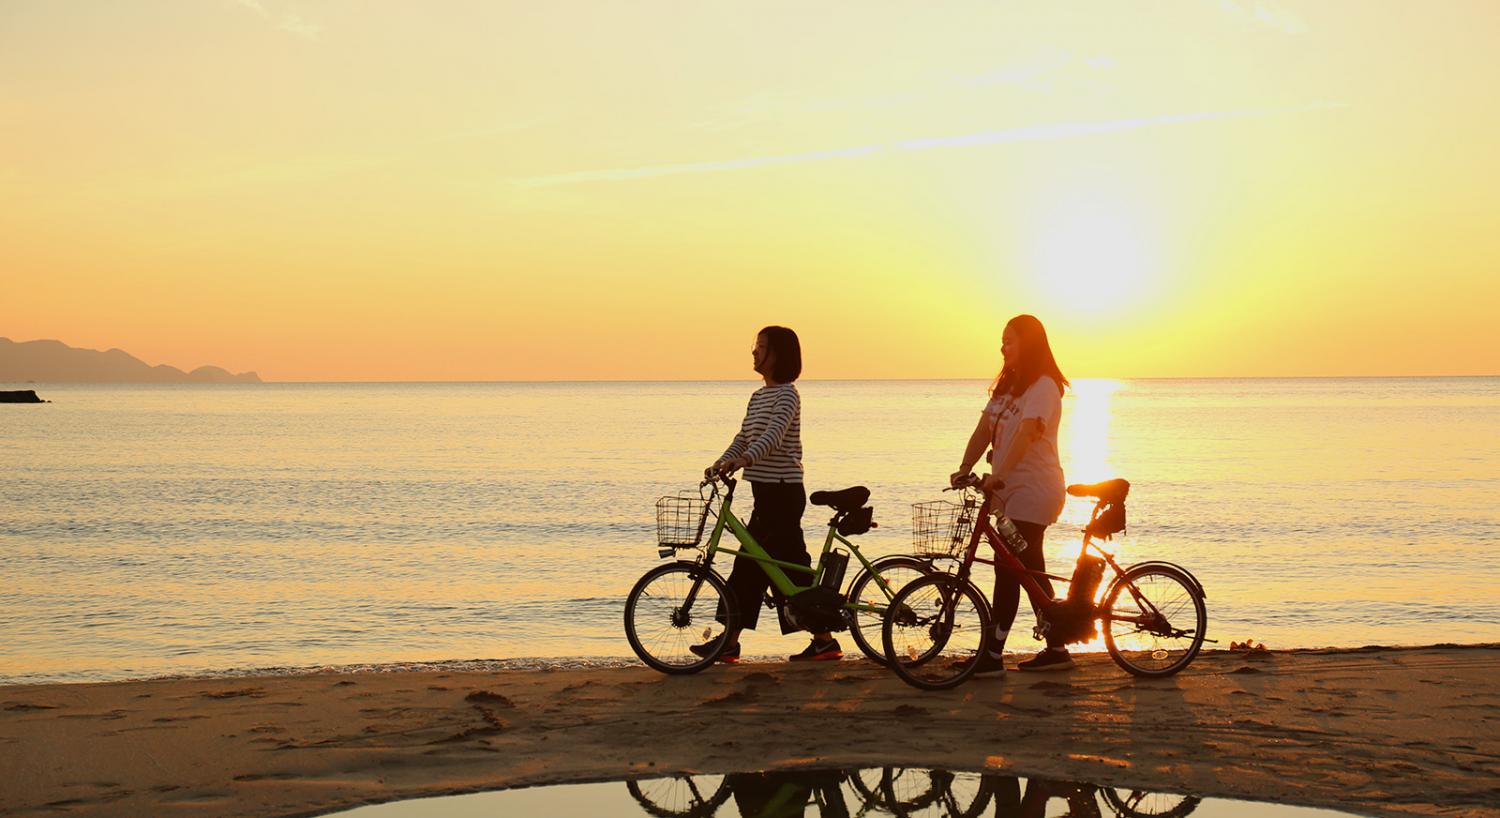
(1156, 627)
(935, 644)
(663, 627)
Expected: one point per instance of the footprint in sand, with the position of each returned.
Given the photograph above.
(23, 707)
(264, 777)
(250, 692)
(492, 698)
(110, 716)
(737, 697)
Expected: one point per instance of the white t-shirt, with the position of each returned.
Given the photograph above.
(1034, 491)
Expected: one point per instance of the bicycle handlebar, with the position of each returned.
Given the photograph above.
(971, 481)
(711, 479)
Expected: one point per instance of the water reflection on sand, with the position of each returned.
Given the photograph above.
(875, 791)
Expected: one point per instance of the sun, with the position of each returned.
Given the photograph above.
(1091, 251)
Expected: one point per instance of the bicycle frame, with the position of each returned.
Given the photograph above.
(1040, 600)
(776, 570)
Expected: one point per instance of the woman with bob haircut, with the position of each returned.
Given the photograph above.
(1019, 424)
(769, 449)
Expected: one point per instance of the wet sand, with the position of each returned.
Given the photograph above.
(1379, 731)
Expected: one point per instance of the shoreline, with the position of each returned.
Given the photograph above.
(585, 663)
(1381, 731)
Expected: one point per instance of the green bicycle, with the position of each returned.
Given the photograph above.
(686, 602)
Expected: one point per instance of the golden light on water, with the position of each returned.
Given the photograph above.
(1086, 429)
(1086, 459)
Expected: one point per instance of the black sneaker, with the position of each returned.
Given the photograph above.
(1049, 659)
(819, 652)
(988, 665)
(730, 655)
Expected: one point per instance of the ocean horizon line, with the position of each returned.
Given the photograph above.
(576, 381)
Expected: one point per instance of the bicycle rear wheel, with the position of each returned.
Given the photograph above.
(1157, 628)
(1143, 804)
(680, 796)
(662, 624)
(934, 630)
(864, 625)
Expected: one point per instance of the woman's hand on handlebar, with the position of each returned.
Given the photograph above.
(724, 468)
(963, 480)
(968, 480)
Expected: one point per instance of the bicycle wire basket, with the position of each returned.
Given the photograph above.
(941, 528)
(680, 519)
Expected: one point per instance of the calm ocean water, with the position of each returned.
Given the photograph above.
(179, 529)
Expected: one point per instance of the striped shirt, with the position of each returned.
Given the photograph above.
(771, 436)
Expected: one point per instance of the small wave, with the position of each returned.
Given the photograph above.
(436, 666)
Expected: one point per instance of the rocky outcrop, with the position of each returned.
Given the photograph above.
(56, 362)
(20, 396)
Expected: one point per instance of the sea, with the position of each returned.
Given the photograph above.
(220, 529)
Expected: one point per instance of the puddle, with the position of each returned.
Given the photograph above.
(889, 791)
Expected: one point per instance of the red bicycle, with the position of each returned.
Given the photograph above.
(1152, 613)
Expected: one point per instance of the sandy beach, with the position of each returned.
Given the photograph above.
(1379, 731)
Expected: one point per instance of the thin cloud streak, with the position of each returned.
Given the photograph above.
(1265, 13)
(1033, 133)
(290, 22)
(1065, 130)
(626, 174)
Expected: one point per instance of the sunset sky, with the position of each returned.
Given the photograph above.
(551, 190)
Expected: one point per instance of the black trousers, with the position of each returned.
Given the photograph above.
(1007, 597)
(775, 523)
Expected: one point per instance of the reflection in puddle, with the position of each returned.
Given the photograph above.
(876, 791)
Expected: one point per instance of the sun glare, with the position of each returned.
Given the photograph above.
(1092, 251)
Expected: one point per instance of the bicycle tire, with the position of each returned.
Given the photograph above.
(672, 630)
(1157, 804)
(905, 790)
(1165, 649)
(966, 801)
(858, 591)
(650, 793)
(946, 624)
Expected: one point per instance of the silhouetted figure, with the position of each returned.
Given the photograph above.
(787, 794)
(769, 449)
(1019, 425)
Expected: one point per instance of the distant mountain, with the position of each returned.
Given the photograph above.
(56, 362)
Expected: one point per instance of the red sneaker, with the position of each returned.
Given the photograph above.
(820, 652)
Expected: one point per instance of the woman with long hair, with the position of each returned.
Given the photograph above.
(1019, 425)
(769, 449)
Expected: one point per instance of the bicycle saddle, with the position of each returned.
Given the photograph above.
(1110, 491)
(849, 499)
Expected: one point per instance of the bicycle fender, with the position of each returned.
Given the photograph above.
(1188, 575)
(700, 568)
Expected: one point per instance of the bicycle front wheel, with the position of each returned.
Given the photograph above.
(872, 591)
(673, 608)
(1154, 620)
(934, 631)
